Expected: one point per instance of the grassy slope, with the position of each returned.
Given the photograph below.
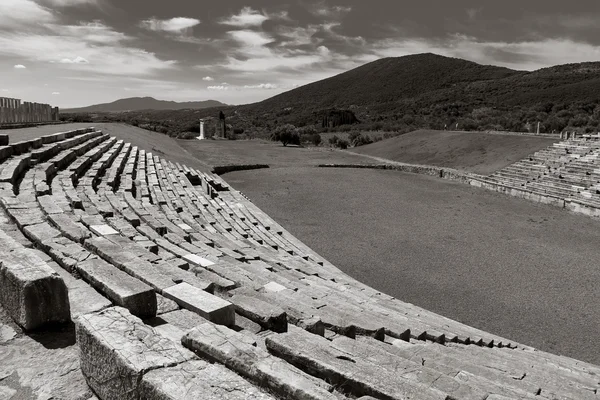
(471, 151)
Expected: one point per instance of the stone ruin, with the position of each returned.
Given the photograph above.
(12, 111)
(180, 288)
(221, 128)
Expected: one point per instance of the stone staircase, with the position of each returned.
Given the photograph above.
(181, 288)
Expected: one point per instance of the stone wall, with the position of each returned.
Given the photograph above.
(13, 111)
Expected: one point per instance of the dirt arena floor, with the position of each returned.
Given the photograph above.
(478, 152)
(522, 270)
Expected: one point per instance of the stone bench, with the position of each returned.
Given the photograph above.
(121, 288)
(32, 293)
(122, 358)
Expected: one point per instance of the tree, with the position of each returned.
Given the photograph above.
(287, 134)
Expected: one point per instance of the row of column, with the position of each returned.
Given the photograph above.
(9, 103)
(12, 111)
(568, 135)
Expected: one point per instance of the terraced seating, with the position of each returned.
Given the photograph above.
(567, 170)
(181, 288)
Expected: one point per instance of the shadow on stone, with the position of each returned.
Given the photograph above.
(55, 336)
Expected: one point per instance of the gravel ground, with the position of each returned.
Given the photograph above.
(522, 270)
(478, 152)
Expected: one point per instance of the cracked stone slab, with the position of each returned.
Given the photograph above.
(198, 380)
(239, 353)
(117, 349)
(206, 305)
(103, 230)
(313, 353)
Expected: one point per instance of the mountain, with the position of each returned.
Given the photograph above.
(144, 103)
(419, 91)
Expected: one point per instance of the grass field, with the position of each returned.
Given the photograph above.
(478, 152)
(522, 270)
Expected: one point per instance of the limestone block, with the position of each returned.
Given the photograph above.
(238, 352)
(267, 315)
(103, 230)
(31, 292)
(204, 304)
(274, 287)
(117, 349)
(5, 152)
(196, 260)
(310, 352)
(121, 288)
(198, 380)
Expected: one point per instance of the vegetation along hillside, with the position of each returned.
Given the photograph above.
(407, 93)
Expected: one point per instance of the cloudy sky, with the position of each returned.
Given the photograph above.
(80, 52)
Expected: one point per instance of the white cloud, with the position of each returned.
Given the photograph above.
(472, 13)
(246, 38)
(246, 18)
(526, 55)
(16, 14)
(262, 86)
(76, 60)
(4, 90)
(68, 3)
(335, 11)
(208, 78)
(105, 50)
(219, 87)
(55, 93)
(19, 66)
(173, 25)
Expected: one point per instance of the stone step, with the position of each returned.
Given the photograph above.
(32, 293)
(206, 305)
(121, 288)
(236, 352)
(316, 356)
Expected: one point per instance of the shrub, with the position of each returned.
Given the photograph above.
(333, 141)
(343, 144)
(316, 139)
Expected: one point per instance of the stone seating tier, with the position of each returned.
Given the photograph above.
(181, 288)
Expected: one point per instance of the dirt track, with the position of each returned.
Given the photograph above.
(522, 270)
(471, 151)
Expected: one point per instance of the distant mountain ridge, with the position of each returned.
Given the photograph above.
(144, 103)
(401, 94)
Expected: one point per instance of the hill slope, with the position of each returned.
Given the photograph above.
(144, 103)
(478, 152)
(423, 90)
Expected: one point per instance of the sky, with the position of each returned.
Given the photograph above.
(73, 53)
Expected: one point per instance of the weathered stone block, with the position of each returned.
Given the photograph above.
(238, 352)
(103, 230)
(198, 380)
(121, 288)
(196, 260)
(204, 304)
(267, 315)
(117, 349)
(33, 293)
